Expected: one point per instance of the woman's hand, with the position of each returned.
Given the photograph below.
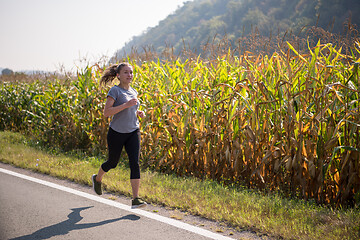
(141, 114)
(132, 102)
(110, 110)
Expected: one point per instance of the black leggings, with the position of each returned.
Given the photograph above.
(116, 141)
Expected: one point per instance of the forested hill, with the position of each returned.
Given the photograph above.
(197, 21)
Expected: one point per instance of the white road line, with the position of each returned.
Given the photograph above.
(154, 216)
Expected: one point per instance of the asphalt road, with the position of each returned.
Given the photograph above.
(42, 210)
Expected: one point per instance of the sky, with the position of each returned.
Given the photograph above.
(50, 35)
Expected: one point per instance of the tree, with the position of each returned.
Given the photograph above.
(7, 71)
(200, 20)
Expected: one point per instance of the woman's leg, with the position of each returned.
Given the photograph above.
(132, 147)
(115, 143)
(135, 185)
(100, 175)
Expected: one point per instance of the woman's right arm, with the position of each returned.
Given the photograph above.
(110, 110)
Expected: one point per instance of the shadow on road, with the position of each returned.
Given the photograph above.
(70, 224)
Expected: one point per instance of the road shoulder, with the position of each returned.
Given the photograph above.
(219, 228)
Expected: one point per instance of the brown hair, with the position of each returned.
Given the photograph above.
(111, 72)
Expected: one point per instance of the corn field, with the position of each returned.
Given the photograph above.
(286, 122)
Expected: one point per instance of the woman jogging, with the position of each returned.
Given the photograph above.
(122, 104)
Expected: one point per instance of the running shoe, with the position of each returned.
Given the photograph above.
(138, 203)
(96, 185)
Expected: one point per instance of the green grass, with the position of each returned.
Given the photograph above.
(241, 208)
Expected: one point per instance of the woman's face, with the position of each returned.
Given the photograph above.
(126, 75)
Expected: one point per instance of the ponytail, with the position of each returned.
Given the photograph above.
(111, 72)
